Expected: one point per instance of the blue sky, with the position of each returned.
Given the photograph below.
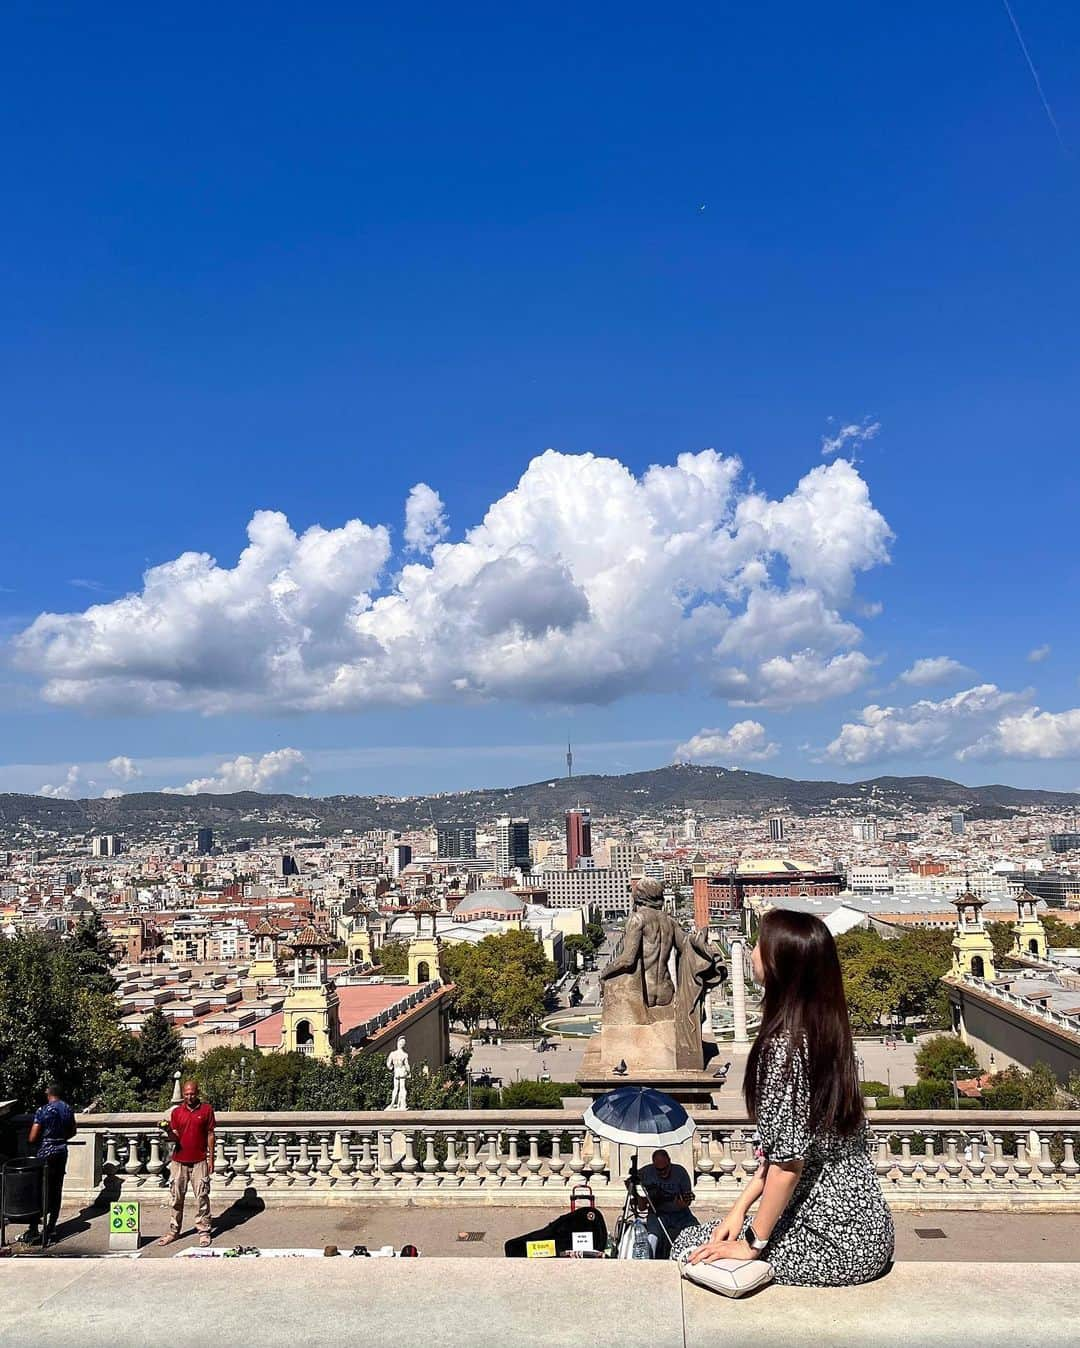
(299, 263)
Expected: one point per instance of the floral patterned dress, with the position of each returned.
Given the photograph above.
(836, 1229)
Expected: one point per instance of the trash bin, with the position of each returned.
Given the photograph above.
(22, 1193)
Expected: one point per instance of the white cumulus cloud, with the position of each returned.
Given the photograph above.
(123, 767)
(925, 727)
(425, 519)
(584, 583)
(66, 789)
(275, 769)
(850, 436)
(745, 742)
(1031, 734)
(933, 669)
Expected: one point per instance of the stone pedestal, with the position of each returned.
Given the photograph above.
(690, 1086)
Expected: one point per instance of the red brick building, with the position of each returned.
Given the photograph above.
(721, 895)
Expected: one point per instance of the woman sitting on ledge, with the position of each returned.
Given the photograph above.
(821, 1218)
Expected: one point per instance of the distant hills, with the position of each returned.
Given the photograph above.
(708, 791)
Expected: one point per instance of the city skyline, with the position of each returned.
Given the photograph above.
(361, 441)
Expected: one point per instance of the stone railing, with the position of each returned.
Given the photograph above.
(1060, 1019)
(934, 1159)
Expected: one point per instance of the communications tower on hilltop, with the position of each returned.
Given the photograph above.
(569, 760)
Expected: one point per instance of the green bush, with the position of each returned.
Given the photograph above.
(929, 1093)
(533, 1095)
(939, 1055)
(875, 1088)
(890, 1102)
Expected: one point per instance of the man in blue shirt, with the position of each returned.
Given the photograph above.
(53, 1126)
(671, 1192)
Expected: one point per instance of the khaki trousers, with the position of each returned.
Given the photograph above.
(197, 1176)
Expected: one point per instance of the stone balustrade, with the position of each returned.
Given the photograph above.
(1062, 1020)
(932, 1159)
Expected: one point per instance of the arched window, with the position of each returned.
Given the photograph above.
(977, 966)
(1033, 946)
(303, 1032)
(423, 972)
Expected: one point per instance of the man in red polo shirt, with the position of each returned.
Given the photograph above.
(190, 1128)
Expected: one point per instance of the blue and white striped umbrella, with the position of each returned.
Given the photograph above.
(639, 1117)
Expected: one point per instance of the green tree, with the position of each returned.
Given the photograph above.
(279, 1079)
(578, 949)
(118, 1091)
(91, 947)
(1001, 937)
(53, 1027)
(1014, 1088)
(1060, 935)
(899, 977)
(160, 1053)
(393, 957)
(938, 1056)
(518, 973)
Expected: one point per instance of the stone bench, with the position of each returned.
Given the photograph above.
(494, 1303)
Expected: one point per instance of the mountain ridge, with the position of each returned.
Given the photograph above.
(707, 791)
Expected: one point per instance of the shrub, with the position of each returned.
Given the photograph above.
(875, 1088)
(929, 1093)
(941, 1053)
(533, 1095)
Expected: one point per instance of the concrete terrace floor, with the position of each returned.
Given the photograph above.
(966, 1236)
(390, 1303)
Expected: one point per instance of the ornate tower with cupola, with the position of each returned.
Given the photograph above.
(1029, 935)
(310, 1021)
(265, 963)
(425, 949)
(973, 950)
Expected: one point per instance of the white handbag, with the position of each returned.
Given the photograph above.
(729, 1277)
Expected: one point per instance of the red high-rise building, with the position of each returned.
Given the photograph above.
(578, 837)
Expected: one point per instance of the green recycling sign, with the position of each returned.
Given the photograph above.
(124, 1218)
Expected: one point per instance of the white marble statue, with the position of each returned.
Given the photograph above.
(398, 1063)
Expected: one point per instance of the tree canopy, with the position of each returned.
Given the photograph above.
(898, 977)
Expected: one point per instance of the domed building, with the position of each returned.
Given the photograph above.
(502, 905)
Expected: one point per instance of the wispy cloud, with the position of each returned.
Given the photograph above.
(1039, 654)
(849, 437)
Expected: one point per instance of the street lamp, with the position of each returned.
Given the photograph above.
(955, 1087)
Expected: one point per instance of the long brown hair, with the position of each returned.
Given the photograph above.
(805, 1008)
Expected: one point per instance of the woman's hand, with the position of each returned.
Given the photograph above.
(715, 1249)
(729, 1229)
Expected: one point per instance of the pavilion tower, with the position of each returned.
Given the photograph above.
(1029, 935)
(310, 1022)
(358, 939)
(265, 964)
(425, 949)
(973, 950)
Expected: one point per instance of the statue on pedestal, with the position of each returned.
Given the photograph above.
(398, 1063)
(655, 989)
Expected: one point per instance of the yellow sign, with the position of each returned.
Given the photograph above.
(540, 1249)
(124, 1217)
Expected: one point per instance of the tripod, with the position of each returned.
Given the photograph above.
(635, 1194)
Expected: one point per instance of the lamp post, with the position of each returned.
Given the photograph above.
(956, 1088)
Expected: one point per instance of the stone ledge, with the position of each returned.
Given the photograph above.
(462, 1303)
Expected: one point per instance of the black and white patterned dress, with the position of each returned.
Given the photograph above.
(836, 1229)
